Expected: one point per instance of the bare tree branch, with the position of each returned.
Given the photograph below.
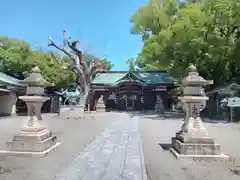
(84, 73)
(65, 39)
(95, 67)
(52, 43)
(75, 47)
(80, 78)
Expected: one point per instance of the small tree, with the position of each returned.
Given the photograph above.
(131, 64)
(84, 72)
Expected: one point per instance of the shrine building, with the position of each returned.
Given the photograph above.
(137, 90)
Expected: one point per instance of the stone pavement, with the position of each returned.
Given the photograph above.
(75, 134)
(114, 155)
(156, 133)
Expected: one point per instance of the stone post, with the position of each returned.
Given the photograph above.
(34, 138)
(193, 140)
(159, 105)
(100, 107)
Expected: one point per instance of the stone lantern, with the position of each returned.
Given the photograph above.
(34, 138)
(34, 98)
(100, 107)
(193, 140)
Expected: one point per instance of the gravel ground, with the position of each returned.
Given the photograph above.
(73, 133)
(156, 133)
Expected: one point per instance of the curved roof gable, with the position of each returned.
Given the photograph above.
(146, 77)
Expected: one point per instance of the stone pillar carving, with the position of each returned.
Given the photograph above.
(193, 139)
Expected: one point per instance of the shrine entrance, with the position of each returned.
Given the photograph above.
(129, 102)
(128, 93)
(133, 91)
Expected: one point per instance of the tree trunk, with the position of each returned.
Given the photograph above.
(79, 66)
(86, 95)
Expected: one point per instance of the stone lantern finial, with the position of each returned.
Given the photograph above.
(36, 70)
(35, 78)
(192, 68)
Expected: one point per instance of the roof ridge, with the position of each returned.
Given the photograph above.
(149, 71)
(11, 77)
(132, 74)
(7, 79)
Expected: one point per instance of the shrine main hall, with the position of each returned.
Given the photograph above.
(136, 90)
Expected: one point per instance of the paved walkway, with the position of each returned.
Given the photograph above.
(114, 155)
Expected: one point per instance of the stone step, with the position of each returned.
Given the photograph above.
(195, 148)
(31, 146)
(33, 136)
(100, 108)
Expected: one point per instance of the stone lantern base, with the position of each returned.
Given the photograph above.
(101, 109)
(196, 143)
(34, 140)
(193, 150)
(193, 140)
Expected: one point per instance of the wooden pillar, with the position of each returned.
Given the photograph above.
(95, 100)
(142, 98)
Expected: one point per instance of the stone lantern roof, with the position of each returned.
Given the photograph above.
(35, 78)
(193, 78)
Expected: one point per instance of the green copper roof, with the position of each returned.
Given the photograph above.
(148, 77)
(5, 79)
(108, 78)
(128, 80)
(155, 77)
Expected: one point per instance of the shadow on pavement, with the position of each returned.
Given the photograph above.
(165, 146)
(214, 121)
(156, 115)
(169, 116)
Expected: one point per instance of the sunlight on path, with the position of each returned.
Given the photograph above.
(115, 154)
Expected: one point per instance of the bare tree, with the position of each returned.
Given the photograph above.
(84, 73)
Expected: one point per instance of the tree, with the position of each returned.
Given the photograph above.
(131, 64)
(88, 58)
(204, 33)
(17, 58)
(84, 68)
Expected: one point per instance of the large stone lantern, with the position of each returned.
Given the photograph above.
(193, 139)
(34, 98)
(34, 138)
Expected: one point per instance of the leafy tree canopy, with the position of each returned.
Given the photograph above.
(18, 58)
(204, 33)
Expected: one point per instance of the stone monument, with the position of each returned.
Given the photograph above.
(193, 140)
(159, 105)
(34, 138)
(100, 107)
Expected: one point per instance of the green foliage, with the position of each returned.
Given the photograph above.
(204, 32)
(131, 64)
(16, 56)
(88, 58)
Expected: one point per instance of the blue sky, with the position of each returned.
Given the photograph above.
(102, 26)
